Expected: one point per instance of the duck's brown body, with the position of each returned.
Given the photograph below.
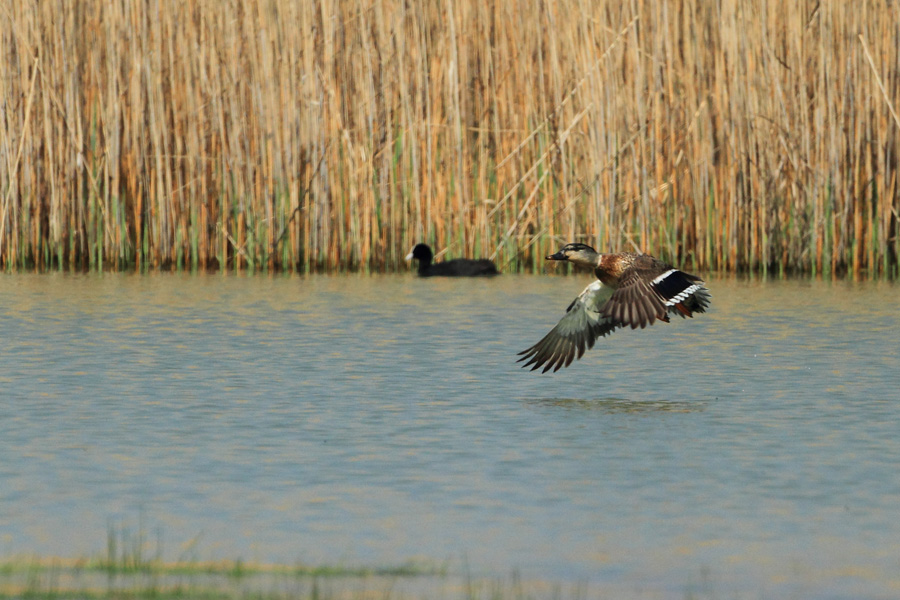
(611, 267)
(632, 290)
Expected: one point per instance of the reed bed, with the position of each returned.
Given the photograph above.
(334, 134)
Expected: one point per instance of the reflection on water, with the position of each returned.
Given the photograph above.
(620, 405)
(375, 420)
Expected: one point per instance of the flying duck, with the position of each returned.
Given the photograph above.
(632, 290)
(459, 267)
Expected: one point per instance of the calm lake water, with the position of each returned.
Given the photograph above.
(753, 451)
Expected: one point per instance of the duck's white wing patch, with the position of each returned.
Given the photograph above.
(683, 294)
(575, 332)
(701, 299)
(695, 299)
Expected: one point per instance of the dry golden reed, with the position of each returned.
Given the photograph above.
(334, 134)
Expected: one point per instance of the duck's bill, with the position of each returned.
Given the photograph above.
(409, 256)
(558, 256)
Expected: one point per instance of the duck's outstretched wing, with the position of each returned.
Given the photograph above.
(579, 329)
(642, 298)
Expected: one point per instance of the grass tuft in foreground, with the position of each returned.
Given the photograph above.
(86, 578)
(134, 568)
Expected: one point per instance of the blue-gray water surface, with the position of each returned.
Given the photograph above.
(374, 420)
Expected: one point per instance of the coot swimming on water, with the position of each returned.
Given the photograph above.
(459, 267)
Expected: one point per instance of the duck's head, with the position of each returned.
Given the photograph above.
(580, 254)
